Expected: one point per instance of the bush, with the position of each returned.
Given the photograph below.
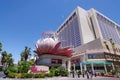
(22, 75)
(24, 66)
(39, 75)
(11, 75)
(48, 75)
(61, 70)
(65, 73)
(36, 75)
(11, 69)
(28, 75)
(114, 72)
(79, 71)
(56, 73)
(102, 73)
(52, 71)
(18, 75)
(42, 76)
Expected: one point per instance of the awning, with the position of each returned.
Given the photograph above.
(85, 63)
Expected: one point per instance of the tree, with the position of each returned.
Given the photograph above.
(106, 46)
(4, 58)
(113, 45)
(0, 46)
(7, 59)
(25, 54)
(0, 50)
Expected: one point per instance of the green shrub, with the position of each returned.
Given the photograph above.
(11, 75)
(114, 72)
(11, 69)
(65, 73)
(61, 70)
(18, 75)
(28, 75)
(24, 66)
(22, 75)
(36, 75)
(52, 71)
(42, 76)
(57, 72)
(102, 73)
(48, 75)
(79, 71)
(39, 75)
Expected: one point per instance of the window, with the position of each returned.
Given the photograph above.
(56, 61)
(108, 29)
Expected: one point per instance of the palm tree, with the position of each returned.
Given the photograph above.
(113, 45)
(25, 54)
(106, 46)
(0, 46)
(0, 51)
(4, 58)
(9, 60)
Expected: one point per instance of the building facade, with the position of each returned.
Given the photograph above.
(94, 38)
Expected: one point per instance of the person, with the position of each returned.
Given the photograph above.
(91, 74)
(73, 74)
(87, 74)
(95, 74)
(83, 73)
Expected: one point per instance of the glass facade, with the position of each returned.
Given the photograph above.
(96, 56)
(69, 32)
(118, 29)
(108, 29)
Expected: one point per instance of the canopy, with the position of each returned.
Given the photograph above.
(84, 63)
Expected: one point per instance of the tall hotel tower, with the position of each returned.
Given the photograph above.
(94, 38)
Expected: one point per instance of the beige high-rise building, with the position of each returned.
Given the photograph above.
(94, 38)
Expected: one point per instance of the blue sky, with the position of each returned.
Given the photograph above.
(23, 21)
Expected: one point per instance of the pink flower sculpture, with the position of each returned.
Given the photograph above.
(51, 46)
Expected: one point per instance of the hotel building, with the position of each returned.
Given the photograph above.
(94, 39)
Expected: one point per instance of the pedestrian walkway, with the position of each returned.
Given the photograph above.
(95, 78)
(64, 78)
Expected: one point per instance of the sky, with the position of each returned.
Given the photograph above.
(23, 21)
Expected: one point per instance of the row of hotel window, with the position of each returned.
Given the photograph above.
(108, 29)
(69, 20)
(70, 34)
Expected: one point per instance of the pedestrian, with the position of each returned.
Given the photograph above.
(95, 74)
(73, 74)
(83, 73)
(87, 75)
(91, 74)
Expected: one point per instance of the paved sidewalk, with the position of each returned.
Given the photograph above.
(94, 78)
(65, 78)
